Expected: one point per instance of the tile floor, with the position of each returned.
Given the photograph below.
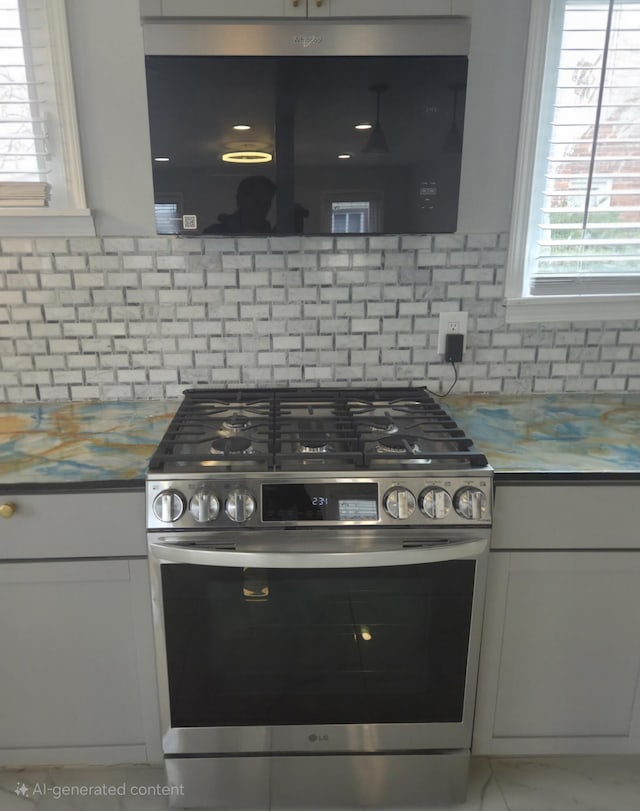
(496, 784)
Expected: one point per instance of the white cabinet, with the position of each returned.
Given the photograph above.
(388, 8)
(560, 659)
(77, 666)
(257, 9)
(87, 524)
(225, 8)
(566, 516)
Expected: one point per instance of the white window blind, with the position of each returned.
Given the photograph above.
(584, 228)
(23, 138)
(41, 179)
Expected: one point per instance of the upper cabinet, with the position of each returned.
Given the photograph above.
(387, 8)
(305, 8)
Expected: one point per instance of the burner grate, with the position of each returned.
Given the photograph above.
(331, 429)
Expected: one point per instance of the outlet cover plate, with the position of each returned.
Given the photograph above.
(454, 322)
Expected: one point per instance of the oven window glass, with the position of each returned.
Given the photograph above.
(299, 646)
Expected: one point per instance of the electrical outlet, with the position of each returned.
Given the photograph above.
(454, 323)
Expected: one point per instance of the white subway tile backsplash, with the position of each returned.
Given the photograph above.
(453, 242)
(82, 245)
(612, 384)
(22, 281)
(16, 246)
(285, 244)
(548, 386)
(580, 384)
(118, 245)
(618, 352)
(165, 262)
(124, 317)
(631, 369)
(565, 369)
(599, 369)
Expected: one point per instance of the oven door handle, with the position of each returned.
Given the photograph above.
(300, 559)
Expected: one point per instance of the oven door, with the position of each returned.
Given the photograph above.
(317, 641)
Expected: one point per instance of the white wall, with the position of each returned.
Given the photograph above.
(108, 68)
(492, 117)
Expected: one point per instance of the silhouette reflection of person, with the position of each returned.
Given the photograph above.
(254, 196)
(300, 213)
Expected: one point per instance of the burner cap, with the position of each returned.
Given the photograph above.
(398, 444)
(314, 442)
(379, 425)
(237, 423)
(231, 446)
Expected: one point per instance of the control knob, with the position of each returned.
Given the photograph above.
(470, 503)
(204, 507)
(435, 502)
(168, 506)
(240, 506)
(399, 503)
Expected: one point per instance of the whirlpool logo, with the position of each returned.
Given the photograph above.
(306, 40)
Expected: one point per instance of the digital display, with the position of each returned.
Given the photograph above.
(323, 501)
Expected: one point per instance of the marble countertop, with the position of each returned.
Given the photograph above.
(51, 443)
(563, 433)
(93, 442)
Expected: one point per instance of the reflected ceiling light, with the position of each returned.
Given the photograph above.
(343, 156)
(247, 156)
(241, 127)
(363, 126)
(377, 143)
(162, 160)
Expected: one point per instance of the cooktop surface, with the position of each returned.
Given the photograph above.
(244, 430)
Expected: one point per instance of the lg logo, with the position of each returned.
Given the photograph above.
(306, 40)
(318, 738)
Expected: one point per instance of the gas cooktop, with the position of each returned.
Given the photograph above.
(312, 429)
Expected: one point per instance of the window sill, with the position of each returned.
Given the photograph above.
(38, 222)
(572, 308)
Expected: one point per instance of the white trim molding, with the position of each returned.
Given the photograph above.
(66, 102)
(543, 309)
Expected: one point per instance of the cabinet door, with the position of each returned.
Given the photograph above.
(77, 671)
(302, 8)
(232, 8)
(560, 664)
(388, 8)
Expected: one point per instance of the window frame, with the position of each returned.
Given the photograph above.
(75, 219)
(374, 198)
(539, 82)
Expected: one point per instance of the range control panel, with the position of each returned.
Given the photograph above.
(281, 501)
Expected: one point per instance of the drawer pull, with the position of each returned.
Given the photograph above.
(295, 3)
(7, 510)
(319, 3)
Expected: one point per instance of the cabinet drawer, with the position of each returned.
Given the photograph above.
(566, 516)
(73, 525)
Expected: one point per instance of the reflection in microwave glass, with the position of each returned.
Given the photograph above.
(357, 510)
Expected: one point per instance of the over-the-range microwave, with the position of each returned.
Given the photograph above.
(305, 127)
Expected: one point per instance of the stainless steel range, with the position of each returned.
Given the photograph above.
(318, 561)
